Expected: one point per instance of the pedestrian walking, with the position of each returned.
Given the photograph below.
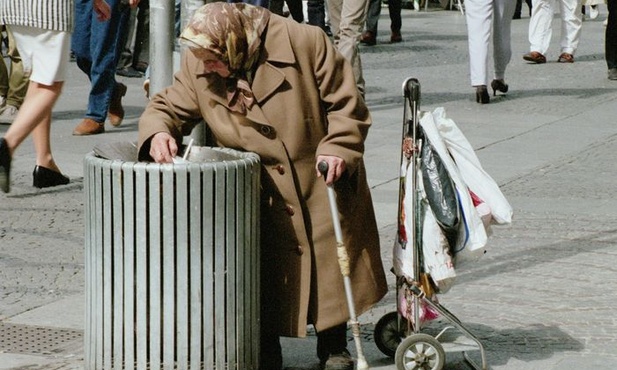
(43, 40)
(540, 30)
(13, 82)
(347, 20)
(369, 37)
(488, 19)
(96, 46)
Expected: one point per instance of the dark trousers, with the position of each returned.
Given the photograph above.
(519, 7)
(316, 12)
(295, 8)
(374, 10)
(331, 341)
(610, 44)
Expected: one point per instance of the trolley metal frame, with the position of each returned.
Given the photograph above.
(414, 349)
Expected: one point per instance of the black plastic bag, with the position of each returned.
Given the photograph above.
(440, 192)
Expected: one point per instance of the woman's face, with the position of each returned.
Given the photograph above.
(211, 62)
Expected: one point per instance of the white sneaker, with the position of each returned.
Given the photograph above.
(8, 115)
(593, 12)
(605, 22)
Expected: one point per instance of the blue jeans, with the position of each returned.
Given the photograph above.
(97, 47)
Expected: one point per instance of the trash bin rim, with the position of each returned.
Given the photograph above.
(242, 158)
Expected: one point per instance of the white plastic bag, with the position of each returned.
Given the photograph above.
(472, 236)
(438, 260)
(470, 169)
(404, 249)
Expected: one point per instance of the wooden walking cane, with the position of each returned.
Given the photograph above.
(343, 260)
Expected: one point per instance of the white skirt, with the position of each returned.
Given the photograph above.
(44, 53)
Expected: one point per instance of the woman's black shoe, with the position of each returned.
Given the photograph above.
(499, 85)
(44, 178)
(482, 95)
(5, 166)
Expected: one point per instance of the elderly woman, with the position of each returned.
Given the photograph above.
(269, 85)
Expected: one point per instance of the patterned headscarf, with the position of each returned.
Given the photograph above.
(232, 31)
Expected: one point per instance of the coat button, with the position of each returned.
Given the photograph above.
(280, 168)
(289, 210)
(265, 130)
(299, 250)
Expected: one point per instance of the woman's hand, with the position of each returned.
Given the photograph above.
(163, 147)
(102, 10)
(336, 167)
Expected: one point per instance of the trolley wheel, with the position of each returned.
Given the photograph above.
(420, 351)
(388, 334)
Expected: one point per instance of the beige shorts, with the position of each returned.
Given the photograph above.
(45, 54)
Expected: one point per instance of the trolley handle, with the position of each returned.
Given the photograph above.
(411, 89)
(323, 168)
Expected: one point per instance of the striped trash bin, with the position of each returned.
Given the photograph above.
(172, 262)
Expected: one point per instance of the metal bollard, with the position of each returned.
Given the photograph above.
(172, 262)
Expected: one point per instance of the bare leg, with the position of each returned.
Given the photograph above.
(35, 117)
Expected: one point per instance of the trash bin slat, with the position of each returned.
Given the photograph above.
(141, 268)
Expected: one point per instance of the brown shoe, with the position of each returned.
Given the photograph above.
(395, 36)
(368, 38)
(566, 58)
(89, 127)
(115, 113)
(535, 57)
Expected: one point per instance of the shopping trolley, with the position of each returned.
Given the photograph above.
(405, 337)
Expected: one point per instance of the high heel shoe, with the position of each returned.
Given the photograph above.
(5, 166)
(43, 177)
(482, 95)
(499, 85)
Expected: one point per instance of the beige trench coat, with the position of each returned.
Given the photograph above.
(307, 104)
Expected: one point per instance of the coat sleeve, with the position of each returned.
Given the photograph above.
(347, 117)
(174, 110)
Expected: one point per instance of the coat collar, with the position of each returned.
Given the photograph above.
(276, 50)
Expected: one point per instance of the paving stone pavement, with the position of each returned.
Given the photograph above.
(544, 296)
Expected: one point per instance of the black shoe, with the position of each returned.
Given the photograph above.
(5, 166)
(140, 67)
(499, 85)
(327, 30)
(482, 95)
(43, 177)
(339, 361)
(129, 72)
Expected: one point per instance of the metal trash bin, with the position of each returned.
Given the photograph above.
(172, 262)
